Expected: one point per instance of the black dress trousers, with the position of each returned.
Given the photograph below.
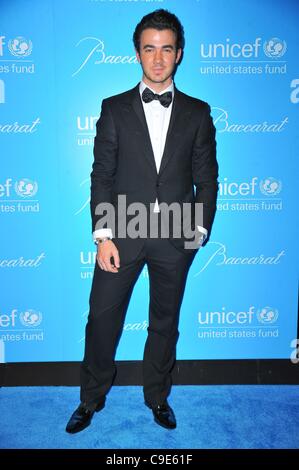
(109, 298)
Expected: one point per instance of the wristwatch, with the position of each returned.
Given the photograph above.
(102, 240)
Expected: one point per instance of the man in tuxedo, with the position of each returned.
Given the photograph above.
(153, 145)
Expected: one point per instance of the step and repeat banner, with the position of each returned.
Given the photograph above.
(58, 60)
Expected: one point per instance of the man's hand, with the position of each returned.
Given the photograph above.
(106, 251)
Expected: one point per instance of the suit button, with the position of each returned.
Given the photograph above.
(158, 184)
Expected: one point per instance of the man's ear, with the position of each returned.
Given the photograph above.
(178, 55)
(138, 56)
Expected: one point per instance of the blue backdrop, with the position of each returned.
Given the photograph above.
(58, 60)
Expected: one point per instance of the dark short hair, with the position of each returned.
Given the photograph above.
(160, 19)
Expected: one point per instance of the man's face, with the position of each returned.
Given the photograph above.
(158, 56)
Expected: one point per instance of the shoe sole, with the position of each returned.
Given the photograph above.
(163, 425)
(78, 430)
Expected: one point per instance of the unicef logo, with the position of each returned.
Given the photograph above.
(26, 188)
(270, 186)
(275, 48)
(20, 47)
(31, 318)
(267, 315)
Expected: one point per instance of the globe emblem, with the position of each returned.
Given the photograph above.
(26, 188)
(20, 46)
(31, 318)
(275, 48)
(267, 315)
(270, 186)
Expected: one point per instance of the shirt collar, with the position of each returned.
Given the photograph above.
(142, 87)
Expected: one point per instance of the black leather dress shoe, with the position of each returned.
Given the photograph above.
(164, 415)
(81, 418)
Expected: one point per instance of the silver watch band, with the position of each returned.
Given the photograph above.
(102, 240)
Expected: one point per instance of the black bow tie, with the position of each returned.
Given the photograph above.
(165, 99)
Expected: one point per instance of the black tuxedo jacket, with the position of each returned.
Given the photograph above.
(124, 162)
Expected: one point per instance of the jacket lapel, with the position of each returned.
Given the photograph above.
(177, 124)
(178, 120)
(146, 140)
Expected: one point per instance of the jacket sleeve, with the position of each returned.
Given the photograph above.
(104, 164)
(205, 168)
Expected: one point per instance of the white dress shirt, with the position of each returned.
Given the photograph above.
(157, 119)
